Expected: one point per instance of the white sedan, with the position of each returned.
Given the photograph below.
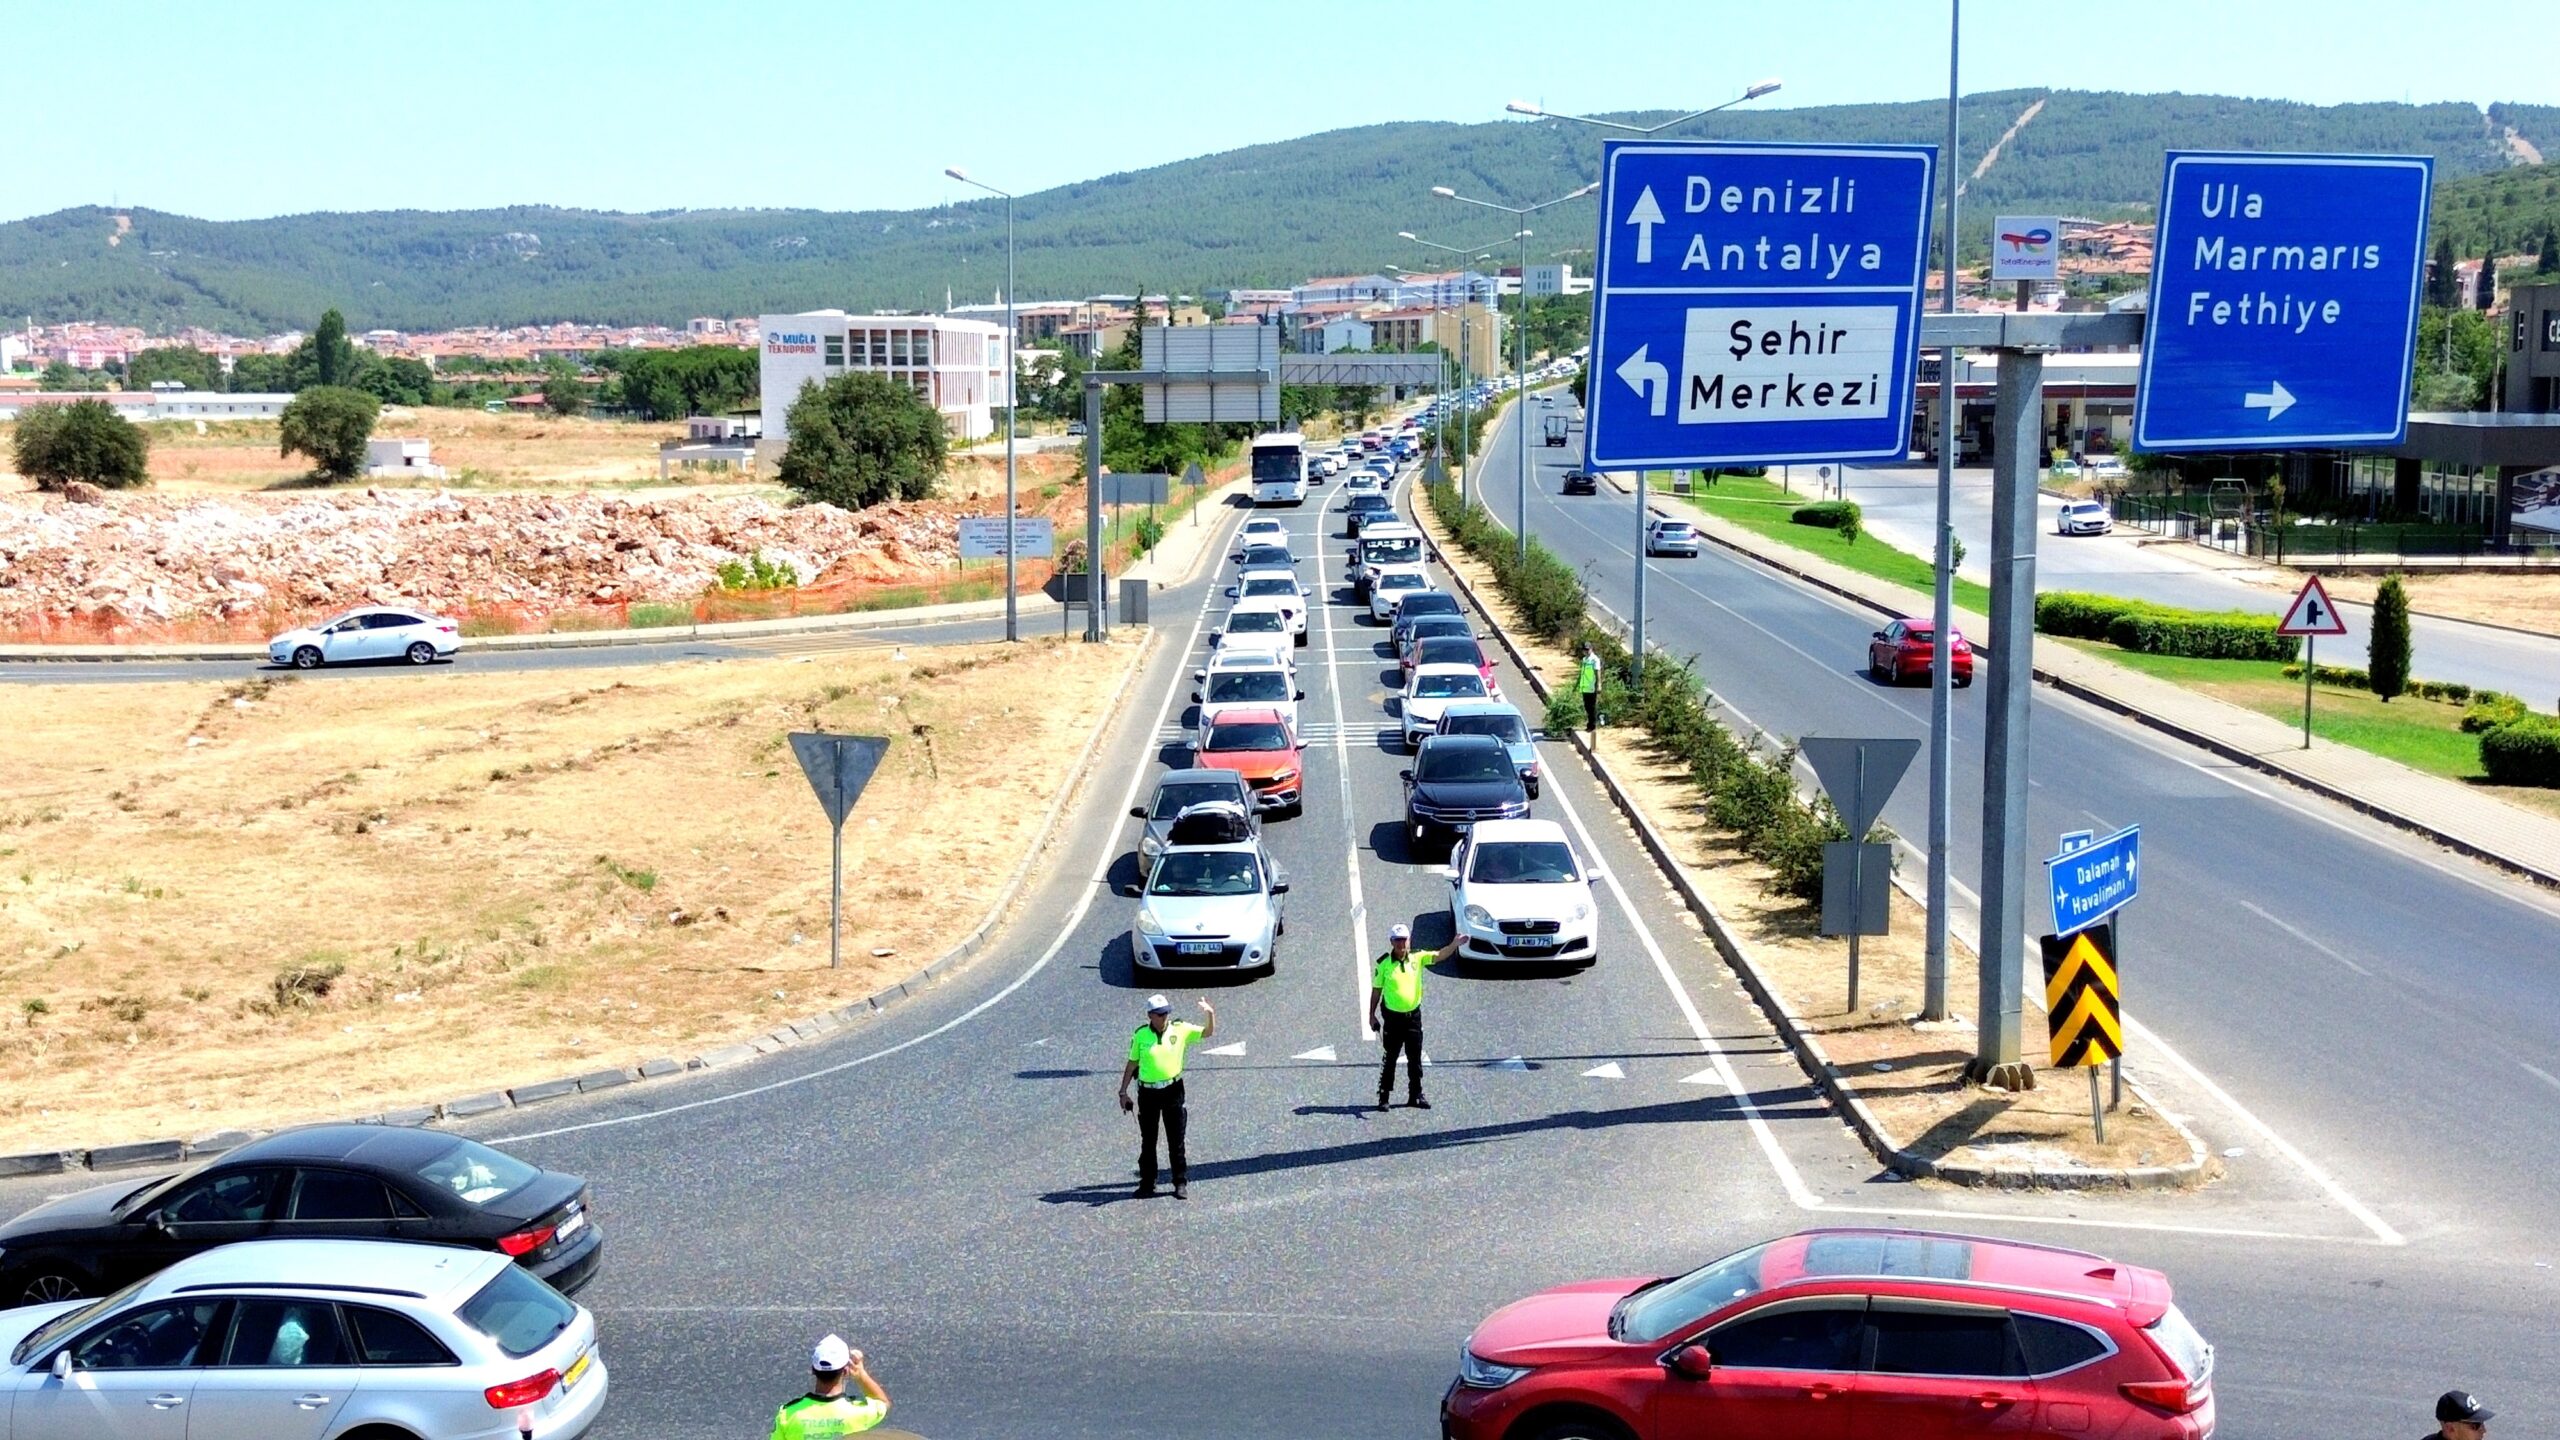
(1518, 892)
(1263, 532)
(1433, 689)
(376, 632)
(1390, 584)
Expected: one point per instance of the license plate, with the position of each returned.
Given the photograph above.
(570, 1376)
(576, 1222)
(1528, 943)
(1200, 947)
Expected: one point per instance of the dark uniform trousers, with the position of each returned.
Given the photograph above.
(1162, 1106)
(1402, 1035)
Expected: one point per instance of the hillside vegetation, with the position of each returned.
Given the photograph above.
(1266, 214)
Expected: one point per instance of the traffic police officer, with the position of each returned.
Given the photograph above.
(827, 1410)
(1395, 1009)
(1586, 683)
(1156, 1051)
(2460, 1416)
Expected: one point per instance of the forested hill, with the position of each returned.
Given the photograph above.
(1268, 214)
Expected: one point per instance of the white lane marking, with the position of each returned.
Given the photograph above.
(1235, 1049)
(1611, 1070)
(1095, 883)
(1323, 1053)
(1777, 1155)
(2545, 1076)
(2296, 933)
(1702, 1077)
(1350, 835)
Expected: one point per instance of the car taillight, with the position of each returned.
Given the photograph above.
(516, 1394)
(524, 1240)
(450, 629)
(2178, 1397)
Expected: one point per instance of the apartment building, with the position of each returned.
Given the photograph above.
(956, 365)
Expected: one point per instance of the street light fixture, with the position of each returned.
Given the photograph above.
(1012, 401)
(1469, 254)
(1520, 340)
(1757, 89)
(1439, 289)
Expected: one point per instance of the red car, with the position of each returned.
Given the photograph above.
(1262, 746)
(1451, 650)
(1900, 651)
(1831, 1334)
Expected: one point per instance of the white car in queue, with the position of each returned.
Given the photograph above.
(307, 1338)
(1391, 583)
(1518, 892)
(1431, 690)
(1211, 900)
(1280, 585)
(1262, 623)
(1244, 687)
(376, 632)
(1263, 531)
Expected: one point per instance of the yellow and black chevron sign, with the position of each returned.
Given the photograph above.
(2080, 1002)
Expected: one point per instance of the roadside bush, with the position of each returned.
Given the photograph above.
(2387, 652)
(1826, 514)
(2491, 709)
(2201, 636)
(2078, 614)
(2522, 752)
(1791, 846)
(1564, 711)
(756, 573)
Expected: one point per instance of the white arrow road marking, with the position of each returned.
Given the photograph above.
(1235, 1049)
(1645, 214)
(1650, 378)
(2275, 399)
(1610, 1071)
(1515, 1062)
(1702, 1077)
(1321, 1052)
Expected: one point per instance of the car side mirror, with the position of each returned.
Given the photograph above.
(1137, 812)
(62, 1363)
(1302, 694)
(157, 1222)
(1595, 872)
(1231, 592)
(1279, 887)
(1191, 745)
(1195, 697)
(1132, 890)
(1199, 674)
(1445, 872)
(1406, 776)
(1691, 1362)
(1877, 636)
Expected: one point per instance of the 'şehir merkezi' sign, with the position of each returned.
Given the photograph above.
(1756, 303)
(2284, 301)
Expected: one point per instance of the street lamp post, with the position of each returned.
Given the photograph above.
(1635, 658)
(1520, 340)
(1012, 405)
(1438, 287)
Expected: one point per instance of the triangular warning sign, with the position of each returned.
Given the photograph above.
(2311, 613)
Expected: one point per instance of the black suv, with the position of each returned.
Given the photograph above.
(1364, 508)
(1581, 482)
(1457, 780)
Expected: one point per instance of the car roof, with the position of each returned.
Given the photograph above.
(1199, 775)
(1266, 572)
(1444, 667)
(1928, 1257)
(1444, 641)
(1431, 606)
(1496, 831)
(431, 1272)
(1455, 742)
(1462, 708)
(1245, 657)
(1249, 603)
(393, 1147)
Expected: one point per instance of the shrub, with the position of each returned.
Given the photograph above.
(85, 440)
(756, 573)
(2489, 710)
(296, 986)
(2387, 656)
(2159, 630)
(1827, 514)
(2078, 614)
(2522, 752)
(1150, 533)
(1564, 711)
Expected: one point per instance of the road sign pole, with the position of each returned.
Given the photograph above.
(2310, 667)
(1635, 660)
(835, 898)
(1092, 511)
(1942, 604)
(2097, 1112)
(2018, 427)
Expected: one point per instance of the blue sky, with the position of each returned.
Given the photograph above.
(210, 109)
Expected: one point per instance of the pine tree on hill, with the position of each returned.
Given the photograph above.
(2444, 289)
(2487, 290)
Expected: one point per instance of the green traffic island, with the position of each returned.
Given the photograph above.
(1834, 530)
(1721, 811)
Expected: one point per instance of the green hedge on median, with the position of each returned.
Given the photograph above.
(2522, 752)
(2162, 629)
(1827, 514)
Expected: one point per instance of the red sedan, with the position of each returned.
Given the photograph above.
(1451, 650)
(1832, 1334)
(1900, 651)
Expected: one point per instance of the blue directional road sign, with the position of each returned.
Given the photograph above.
(2093, 880)
(1756, 304)
(2284, 301)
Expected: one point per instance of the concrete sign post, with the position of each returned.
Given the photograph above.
(838, 766)
(1859, 776)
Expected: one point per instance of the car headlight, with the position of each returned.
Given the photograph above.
(1581, 911)
(1479, 917)
(1477, 1373)
(1148, 924)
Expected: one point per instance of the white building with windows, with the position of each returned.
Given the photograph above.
(958, 366)
(1554, 279)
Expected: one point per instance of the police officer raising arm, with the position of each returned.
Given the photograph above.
(827, 1410)
(1156, 1053)
(1395, 1012)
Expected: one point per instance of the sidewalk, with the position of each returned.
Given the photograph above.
(2442, 810)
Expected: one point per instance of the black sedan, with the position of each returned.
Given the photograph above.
(372, 1182)
(1581, 482)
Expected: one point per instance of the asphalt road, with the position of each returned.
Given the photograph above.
(1900, 505)
(949, 1187)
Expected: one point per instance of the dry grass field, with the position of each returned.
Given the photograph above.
(291, 900)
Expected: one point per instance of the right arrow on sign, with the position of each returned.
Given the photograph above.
(1650, 377)
(2275, 400)
(1644, 215)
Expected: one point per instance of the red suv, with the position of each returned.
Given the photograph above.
(1831, 1334)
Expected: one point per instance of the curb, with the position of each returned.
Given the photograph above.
(2238, 755)
(1805, 1046)
(814, 1027)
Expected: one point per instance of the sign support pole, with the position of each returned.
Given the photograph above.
(1857, 888)
(1942, 602)
(835, 896)
(2097, 1113)
(2018, 431)
(1635, 657)
(1093, 581)
(2310, 667)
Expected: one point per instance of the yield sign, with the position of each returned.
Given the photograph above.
(838, 766)
(2311, 613)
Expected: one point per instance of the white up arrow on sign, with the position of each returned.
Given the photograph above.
(1644, 215)
(2275, 400)
(1650, 377)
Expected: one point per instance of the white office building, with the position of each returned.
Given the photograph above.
(958, 366)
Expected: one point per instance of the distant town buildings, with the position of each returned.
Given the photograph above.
(957, 365)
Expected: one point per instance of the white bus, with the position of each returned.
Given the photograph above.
(1279, 468)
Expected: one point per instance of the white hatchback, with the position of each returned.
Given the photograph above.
(376, 632)
(1263, 532)
(1432, 689)
(1390, 583)
(2082, 517)
(1518, 892)
(301, 1339)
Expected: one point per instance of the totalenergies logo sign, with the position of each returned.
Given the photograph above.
(2026, 247)
(791, 344)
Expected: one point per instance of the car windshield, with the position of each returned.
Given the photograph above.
(1447, 650)
(1273, 586)
(71, 1320)
(1394, 550)
(517, 1312)
(1255, 622)
(1462, 685)
(1432, 604)
(1509, 729)
(476, 1174)
(1672, 1305)
(1205, 872)
(1172, 800)
(1395, 581)
(1458, 764)
(1264, 685)
(1248, 735)
(1524, 862)
(1265, 555)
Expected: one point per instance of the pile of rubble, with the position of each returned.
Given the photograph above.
(145, 559)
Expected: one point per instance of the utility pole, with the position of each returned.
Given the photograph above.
(1933, 985)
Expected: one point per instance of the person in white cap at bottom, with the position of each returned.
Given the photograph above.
(1156, 1051)
(827, 1410)
(1395, 1012)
